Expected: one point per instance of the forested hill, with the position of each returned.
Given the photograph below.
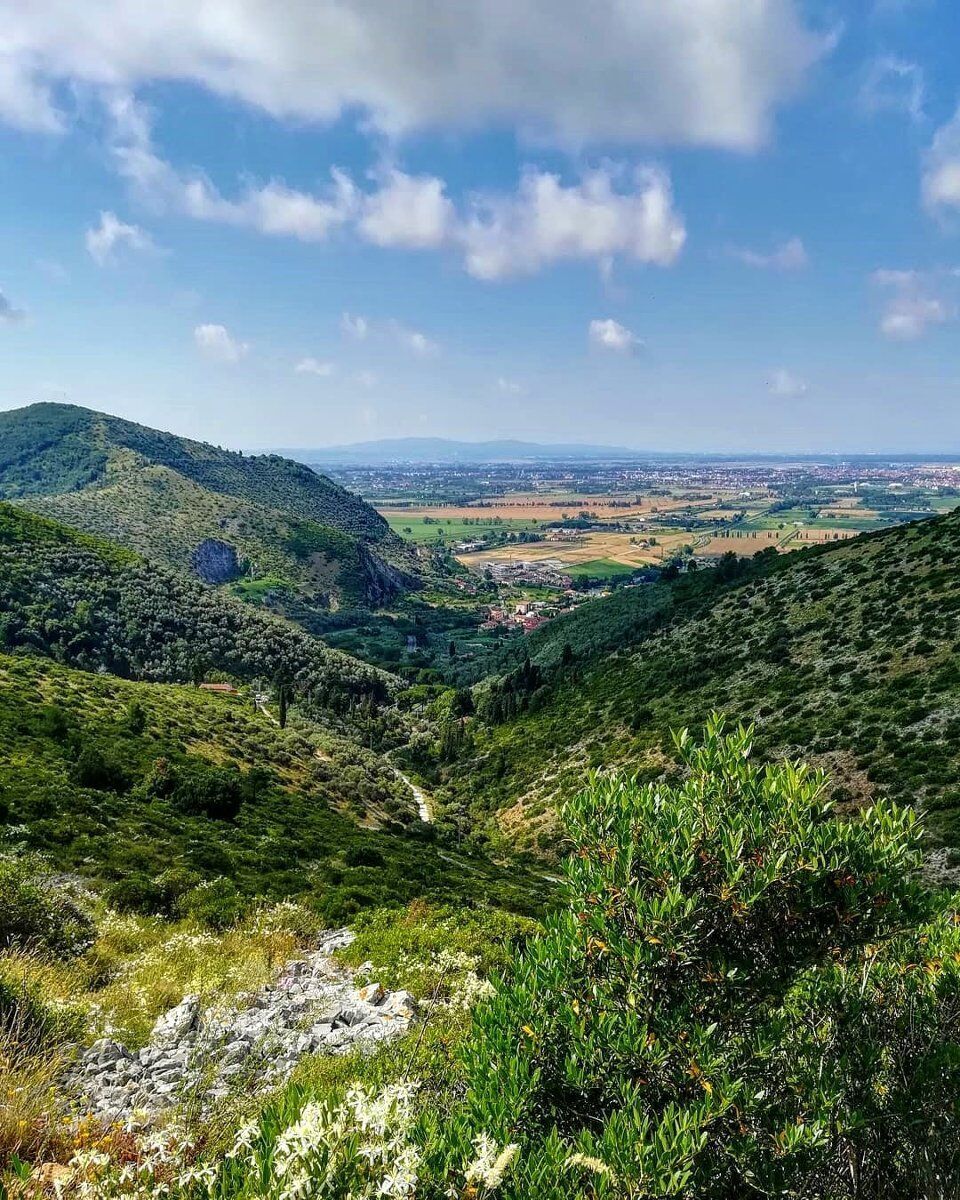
(90, 604)
(215, 513)
(848, 656)
(47, 449)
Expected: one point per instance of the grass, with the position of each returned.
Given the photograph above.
(602, 568)
(139, 967)
(455, 529)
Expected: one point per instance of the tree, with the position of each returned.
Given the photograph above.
(744, 996)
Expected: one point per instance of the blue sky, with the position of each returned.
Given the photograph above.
(711, 225)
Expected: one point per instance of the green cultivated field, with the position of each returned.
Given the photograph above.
(601, 567)
(454, 529)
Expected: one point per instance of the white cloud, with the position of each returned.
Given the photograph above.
(355, 327)
(611, 335)
(916, 301)
(313, 366)
(787, 385)
(272, 208)
(414, 341)
(510, 387)
(105, 239)
(215, 342)
(547, 222)
(408, 211)
(366, 379)
(893, 85)
(941, 174)
(790, 255)
(8, 314)
(708, 72)
(909, 317)
(608, 212)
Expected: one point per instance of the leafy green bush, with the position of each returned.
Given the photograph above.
(745, 996)
(40, 918)
(215, 903)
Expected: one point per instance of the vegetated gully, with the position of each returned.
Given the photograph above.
(419, 795)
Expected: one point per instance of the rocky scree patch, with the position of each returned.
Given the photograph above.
(200, 1056)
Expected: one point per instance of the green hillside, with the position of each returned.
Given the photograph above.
(89, 604)
(152, 790)
(846, 655)
(216, 513)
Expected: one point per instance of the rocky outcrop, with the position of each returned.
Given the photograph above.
(382, 582)
(216, 561)
(198, 1056)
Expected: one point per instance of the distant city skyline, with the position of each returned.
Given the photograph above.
(710, 227)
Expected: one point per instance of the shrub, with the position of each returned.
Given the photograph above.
(38, 917)
(745, 996)
(216, 903)
(100, 771)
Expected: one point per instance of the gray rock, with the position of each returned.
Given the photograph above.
(314, 1006)
(178, 1023)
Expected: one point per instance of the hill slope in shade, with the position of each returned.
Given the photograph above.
(216, 513)
(91, 604)
(849, 656)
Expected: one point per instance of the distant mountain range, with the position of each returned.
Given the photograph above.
(443, 450)
(446, 451)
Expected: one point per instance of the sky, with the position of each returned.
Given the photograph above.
(708, 225)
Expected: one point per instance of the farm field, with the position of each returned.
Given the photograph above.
(426, 527)
(616, 548)
(527, 508)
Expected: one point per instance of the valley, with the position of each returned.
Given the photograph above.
(307, 771)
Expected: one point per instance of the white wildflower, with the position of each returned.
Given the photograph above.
(491, 1164)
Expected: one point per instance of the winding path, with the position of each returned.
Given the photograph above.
(419, 795)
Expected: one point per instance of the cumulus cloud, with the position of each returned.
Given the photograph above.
(8, 314)
(104, 240)
(414, 341)
(354, 327)
(313, 366)
(941, 173)
(893, 85)
(611, 335)
(916, 301)
(790, 255)
(909, 317)
(271, 208)
(708, 72)
(366, 379)
(548, 222)
(411, 211)
(787, 385)
(216, 343)
(606, 213)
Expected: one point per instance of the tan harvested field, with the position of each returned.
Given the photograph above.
(532, 508)
(615, 547)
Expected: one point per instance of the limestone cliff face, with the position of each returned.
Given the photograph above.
(215, 561)
(382, 581)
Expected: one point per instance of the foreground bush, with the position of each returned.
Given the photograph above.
(745, 996)
(40, 918)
